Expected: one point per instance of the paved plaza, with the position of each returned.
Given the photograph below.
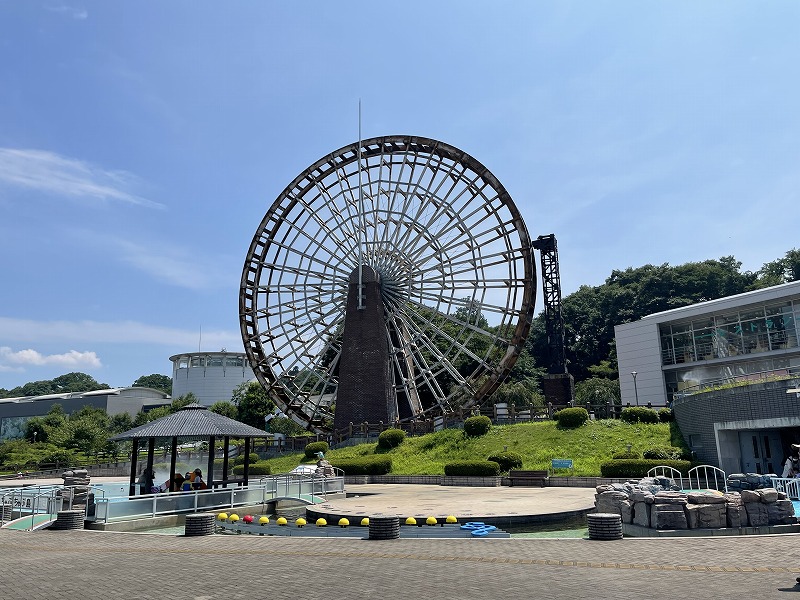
(78, 564)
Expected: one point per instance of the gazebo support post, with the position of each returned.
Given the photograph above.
(151, 450)
(173, 460)
(225, 442)
(246, 460)
(210, 469)
(134, 457)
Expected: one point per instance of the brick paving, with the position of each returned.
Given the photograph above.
(65, 564)
(50, 564)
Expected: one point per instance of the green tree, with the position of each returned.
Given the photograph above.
(782, 270)
(520, 393)
(224, 408)
(120, 422)
(181, 401)
(155, 381)
(252, 403)
(597, 391)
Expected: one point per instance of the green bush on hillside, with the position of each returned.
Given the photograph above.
(364, 465)
(506, 460)
(391, 438)
(257, 468)
(639, 468)
(253, 458)
(570, 418)
(639, 414)
(472, 468)
(626, 455)
(314, 447)
(670, 453)
(665, 415)
(477, 426)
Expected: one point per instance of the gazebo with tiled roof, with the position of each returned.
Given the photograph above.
(192, 422)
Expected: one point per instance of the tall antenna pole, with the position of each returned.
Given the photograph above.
(360, 217)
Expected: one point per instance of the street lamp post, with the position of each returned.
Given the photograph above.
(34, 435)
(635, 389)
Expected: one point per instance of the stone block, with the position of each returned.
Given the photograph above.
(641, 496)
(705, 498)
(768, 495)
(757, 515)
(668, 516)
(736, 515)
(701, 516)
(670, 498)
(781, 512)
(641, 514)
(750, 496)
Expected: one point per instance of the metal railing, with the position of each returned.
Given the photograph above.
(304, 487)
(791, 487)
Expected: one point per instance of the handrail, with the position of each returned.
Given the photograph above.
(716, 472)
(789, 486)
(666, 471)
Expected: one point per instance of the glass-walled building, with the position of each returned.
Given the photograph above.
(744, 337)
(730, 369)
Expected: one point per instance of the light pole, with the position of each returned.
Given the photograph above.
(34, 435)
(635, 389)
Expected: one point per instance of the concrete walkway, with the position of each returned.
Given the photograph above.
(499, 506)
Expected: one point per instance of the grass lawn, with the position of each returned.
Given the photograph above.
(537, 443)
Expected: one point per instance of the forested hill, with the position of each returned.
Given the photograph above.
(591, 313)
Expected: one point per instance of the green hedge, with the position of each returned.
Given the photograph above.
(254, 458)
(314, 447)
(570, 418)
(667, 453)
(477, 426)
(626, 455)
(364, 465)
(258, 468)
(506, 460)
(637, 414)
(665, 415)
(391, 438)
(472, 468)
(639, 468)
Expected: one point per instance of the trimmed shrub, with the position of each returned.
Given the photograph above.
(665, 415)
(506, 460)
(472, 468)
(570, 418)
(477, 426)
(625, 455)
(364, 465)
(314, 447)
(639, 414)
(257, 468)
(391, 438)
(639, 468)
(253, 458)
(667, 453)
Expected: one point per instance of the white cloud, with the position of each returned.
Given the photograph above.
(29, 357)
(79, 14)
(51, 173)
(27, 331)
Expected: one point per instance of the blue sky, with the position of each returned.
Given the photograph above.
(142, 142)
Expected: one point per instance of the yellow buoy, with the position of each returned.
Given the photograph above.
(281, 521)
(300, 522)
(365, 522)
(451, 519)
(344, 522)
(222, 516)
(431, 521)
(322, 522)
(233, 518)
(263, 520)
(411, 521)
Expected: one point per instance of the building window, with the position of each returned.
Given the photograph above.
(198, 361)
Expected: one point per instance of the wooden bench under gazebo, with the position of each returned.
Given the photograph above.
(193, 422)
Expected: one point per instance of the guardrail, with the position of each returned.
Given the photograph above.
(305, 487)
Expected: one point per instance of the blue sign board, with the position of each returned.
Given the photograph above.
(561, 463)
